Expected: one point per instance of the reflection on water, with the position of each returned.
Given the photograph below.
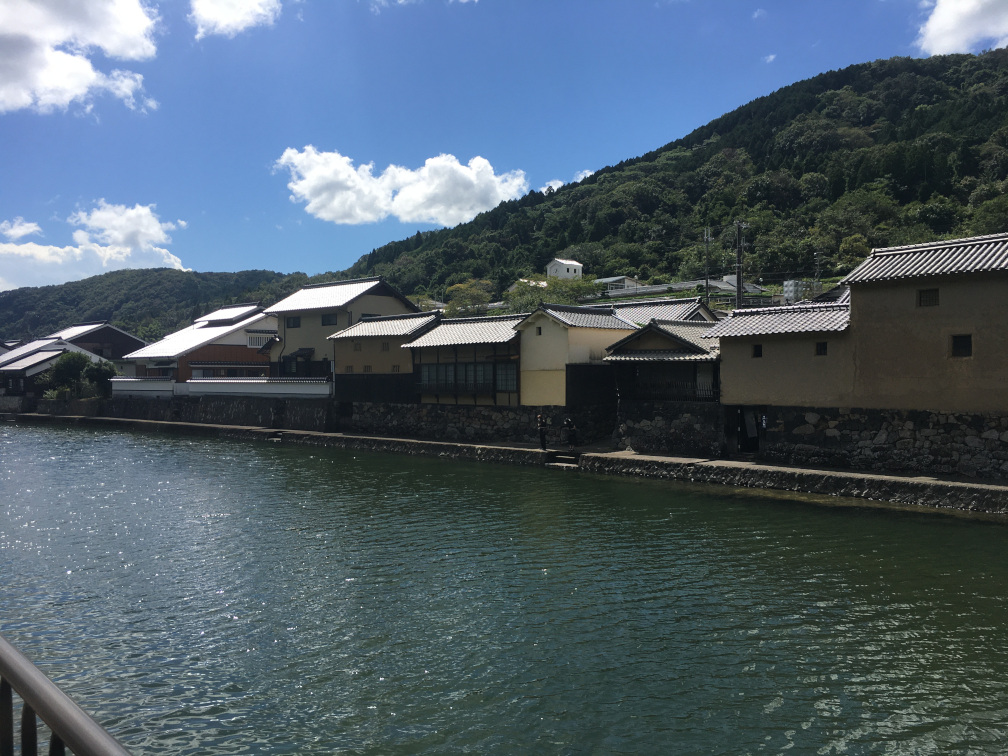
(211, 597)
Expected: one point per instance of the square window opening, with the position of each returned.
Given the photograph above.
(820, 349)
(927, 297)
(757, 350)
(962, 345)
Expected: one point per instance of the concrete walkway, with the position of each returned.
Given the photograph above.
(854, 488)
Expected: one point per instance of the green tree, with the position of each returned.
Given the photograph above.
(68, 371)
(528, 295)
(469, 298)
(100, 374)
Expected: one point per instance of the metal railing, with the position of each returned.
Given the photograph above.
(72, 728)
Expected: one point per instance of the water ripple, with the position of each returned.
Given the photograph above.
(208, 597)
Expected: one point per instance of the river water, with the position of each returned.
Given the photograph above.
(204, 596)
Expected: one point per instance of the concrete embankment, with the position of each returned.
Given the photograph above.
(857, 488)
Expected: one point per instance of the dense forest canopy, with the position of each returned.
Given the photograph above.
(885, 153)
(893, 152)
(148, 303)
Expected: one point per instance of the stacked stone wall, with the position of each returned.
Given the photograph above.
(905, 441)
(437, 422)
(452, 422)
(693, 428)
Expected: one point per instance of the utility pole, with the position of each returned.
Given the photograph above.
(706, 267)
(740, 243)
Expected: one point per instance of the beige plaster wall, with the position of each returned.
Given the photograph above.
(904, 356)
(789, 373)
(371, 353)
(313, 334)
(543, 351)
(588, 345)
(543, 387)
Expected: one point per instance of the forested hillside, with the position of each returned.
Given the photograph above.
(891, 152)
(148, 303)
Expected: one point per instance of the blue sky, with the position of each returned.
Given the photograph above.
(297, 135)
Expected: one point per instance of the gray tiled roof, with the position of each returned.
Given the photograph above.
(688, 344)
(588, 317)
(768, 321)
(973, 255)
(459, 331)
(662, 356)
(392, 325)
(644, 311)
(691, 331)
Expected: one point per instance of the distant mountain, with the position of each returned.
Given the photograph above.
(891, 152)
(148, 303)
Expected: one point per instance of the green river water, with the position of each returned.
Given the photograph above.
(203, 596)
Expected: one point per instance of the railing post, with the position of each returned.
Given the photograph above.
(6, 719)
(29, 734)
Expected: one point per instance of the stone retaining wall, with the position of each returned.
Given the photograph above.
(932, 443)
(13, 404)
(927, 494)
(439, 422)
(693, 428)
(451, 422)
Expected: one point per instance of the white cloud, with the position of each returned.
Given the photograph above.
(47, 49)
(231, 17)
(557, 183)
(759, 13)
(770, 58)
(442, 191)
(964, 26)
(109, 237)
(19, 228)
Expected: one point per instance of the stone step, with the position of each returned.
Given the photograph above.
(563, 465)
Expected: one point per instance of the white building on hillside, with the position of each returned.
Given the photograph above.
(558, 268)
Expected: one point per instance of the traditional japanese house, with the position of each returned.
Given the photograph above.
(21, 366)
(471, 361)
(562, 355)
(369, 363)
(667, 360)
(228, 343)
(307, 318)
(101, 339)
(930, 326)
(795, 355)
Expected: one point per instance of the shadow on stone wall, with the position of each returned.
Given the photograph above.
(691, 428)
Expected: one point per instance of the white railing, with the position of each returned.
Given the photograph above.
(273, 387)
(145, 387)
(280, 388)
